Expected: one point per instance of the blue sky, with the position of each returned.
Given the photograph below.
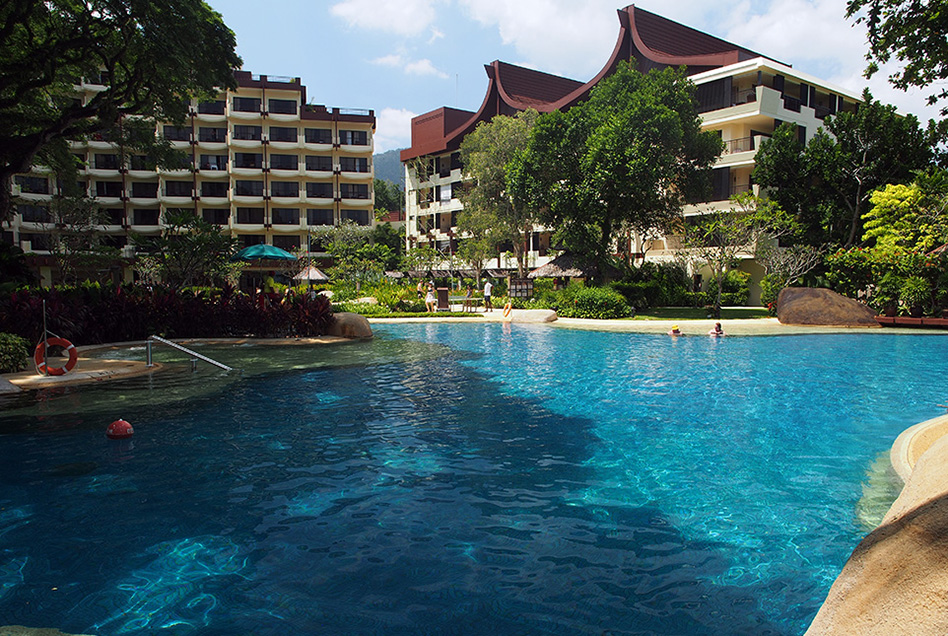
(406, 57)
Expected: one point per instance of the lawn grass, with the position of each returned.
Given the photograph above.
(700, 313)
(425, 314)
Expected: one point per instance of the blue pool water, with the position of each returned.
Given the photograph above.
(461, 479)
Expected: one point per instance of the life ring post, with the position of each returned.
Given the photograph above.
(40, 356)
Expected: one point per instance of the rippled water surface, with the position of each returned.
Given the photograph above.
(463, 479)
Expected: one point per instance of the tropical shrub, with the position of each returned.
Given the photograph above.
(92, 313)
(577, 301)
(736, 288)
(14, 352)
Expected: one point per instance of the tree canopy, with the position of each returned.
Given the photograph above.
(827, 183)
(150, 54)
(911, 217)
(627, 158)
(914, 33)
(487, 154)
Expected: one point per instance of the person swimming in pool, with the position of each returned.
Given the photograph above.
(675, 331)
(716, 330)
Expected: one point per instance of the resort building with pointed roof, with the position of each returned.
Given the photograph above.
(743, 95)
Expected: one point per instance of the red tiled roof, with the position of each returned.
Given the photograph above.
(528, 88)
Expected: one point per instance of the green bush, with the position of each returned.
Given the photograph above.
(736, 288)
(641, 294)
(14, 352)
(577, 301)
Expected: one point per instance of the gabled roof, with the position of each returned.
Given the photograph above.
(652, 41)
(524, 88)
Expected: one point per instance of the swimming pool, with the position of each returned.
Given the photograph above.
(461, 479)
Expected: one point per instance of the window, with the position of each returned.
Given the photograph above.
(115, 216)
(354, 164)
(285, 216)
(37, 241)
(319, 216)
(287, 242)
(247, 104)
(217, 135)
(217, 217)
(144, 190)
(214, 189)
(177, 133)
(248, 160)
(354, 190)
(250, 216)
(33, 185)
(213, 162)
(284, 162)
(145, 217)
(248, 133)
(141, 162)
(318, 136)
(281, 133)
(107, 162)
(117, 241)
(360, 217)
(319, 190)
(253, 239)
(215, 107)
(319, 163)
(354, 137)
(33, 213)
(108, 188)
(284, 189)
(249, 188)
(282, 106)
(178, 188)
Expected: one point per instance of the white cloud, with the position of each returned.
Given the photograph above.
(556, 36)
(424, 67)
(393, 129)
(435, 35)
(410, 67)
(394, 60)
(403, 17)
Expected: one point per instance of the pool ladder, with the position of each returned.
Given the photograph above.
(174, 345)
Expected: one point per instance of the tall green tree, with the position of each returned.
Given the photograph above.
(913, 33)
(487, 153)
(189, 251)
(827, 183)
(628, 157)
(151, 53)
(716, 240)
(388, 197)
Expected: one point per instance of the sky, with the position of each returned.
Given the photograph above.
(402, 58)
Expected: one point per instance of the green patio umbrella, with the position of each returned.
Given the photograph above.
(261, 251)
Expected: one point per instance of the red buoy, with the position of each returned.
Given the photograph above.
(119, 429)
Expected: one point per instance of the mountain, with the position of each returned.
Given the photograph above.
(388, 167)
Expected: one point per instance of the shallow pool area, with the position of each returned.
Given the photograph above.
(466, 479)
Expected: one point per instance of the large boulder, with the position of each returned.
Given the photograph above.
(349, 325)
(817, 306)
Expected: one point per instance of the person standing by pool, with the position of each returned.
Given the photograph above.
(468, 296)
(487, 289)
(716, 330)
(430, 298)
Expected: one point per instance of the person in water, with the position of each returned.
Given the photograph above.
(716, 330)
(675, 331)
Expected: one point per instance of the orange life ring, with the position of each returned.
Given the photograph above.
(41, 365)
(507, 309)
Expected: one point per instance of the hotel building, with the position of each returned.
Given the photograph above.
(261, 163)
(742, 95)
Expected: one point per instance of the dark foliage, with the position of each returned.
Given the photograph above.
(93, 313)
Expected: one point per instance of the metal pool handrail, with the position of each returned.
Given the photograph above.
(175, 345)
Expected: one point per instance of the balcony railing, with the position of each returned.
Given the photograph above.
(743, 144)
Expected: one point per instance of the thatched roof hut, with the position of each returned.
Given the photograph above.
(565, 265)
